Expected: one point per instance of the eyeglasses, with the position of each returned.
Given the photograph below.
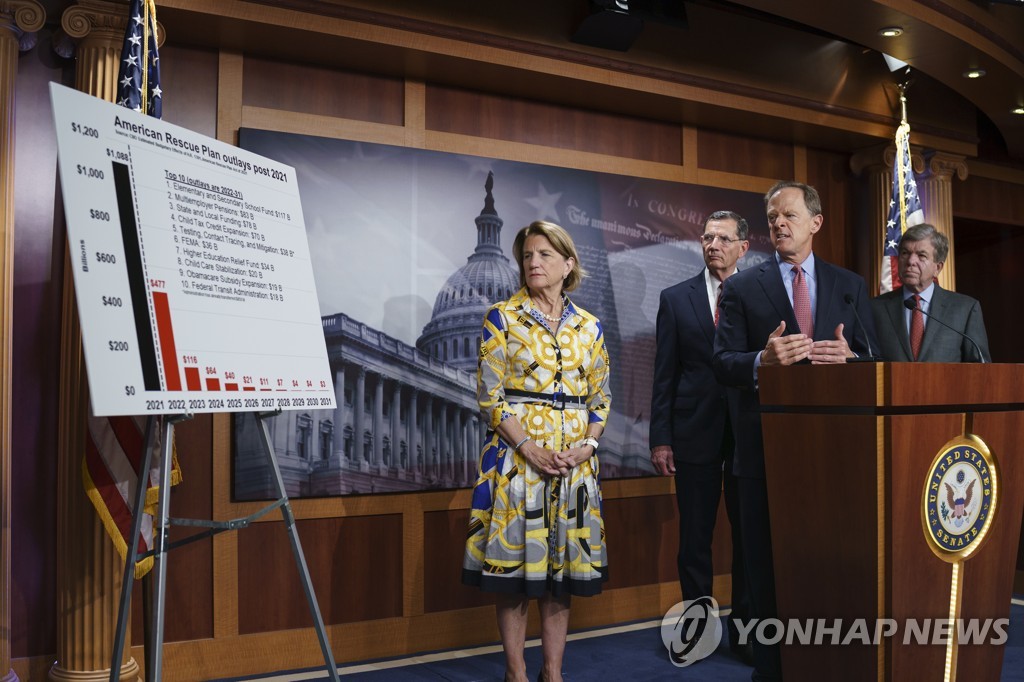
(708, 239)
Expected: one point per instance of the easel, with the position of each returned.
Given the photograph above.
(162, 524)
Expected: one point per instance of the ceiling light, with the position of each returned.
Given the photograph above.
(1017, 110)
(974, 73)
(890, 31)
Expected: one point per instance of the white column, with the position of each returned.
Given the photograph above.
(413, 434)
(444, 471)
(339, 411)
(429, 467)
(358, 449)
(396, 427)
(378, 422)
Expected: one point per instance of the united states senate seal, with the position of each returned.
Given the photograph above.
(960, 497)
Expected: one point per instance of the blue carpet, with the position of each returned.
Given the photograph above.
(634, 655)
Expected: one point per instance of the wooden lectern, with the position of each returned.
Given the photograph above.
(847, 454)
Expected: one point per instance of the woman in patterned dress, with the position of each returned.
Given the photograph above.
(536, 528)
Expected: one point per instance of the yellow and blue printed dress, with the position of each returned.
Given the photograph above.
(530, 533)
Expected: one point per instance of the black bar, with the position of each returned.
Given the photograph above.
(136, 277)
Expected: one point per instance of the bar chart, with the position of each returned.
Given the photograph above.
(191, 266)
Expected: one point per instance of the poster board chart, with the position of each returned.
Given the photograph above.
(191, 268)
(194, 293)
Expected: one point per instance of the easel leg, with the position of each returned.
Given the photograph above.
(147, 623)
(161, 531)
(300, 559)
(128, 578)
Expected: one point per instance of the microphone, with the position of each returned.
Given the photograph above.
(870, 357)
(908, 303)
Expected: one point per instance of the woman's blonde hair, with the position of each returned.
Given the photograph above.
(559, 239)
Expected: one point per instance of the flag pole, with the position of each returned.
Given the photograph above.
(903, 101)
(904, 203)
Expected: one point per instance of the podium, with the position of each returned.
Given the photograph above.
(848, 450)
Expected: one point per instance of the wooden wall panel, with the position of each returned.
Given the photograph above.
(744, 155)
(311, 89)
(829, 173)
(988, 199)
(444, 537)
(643, 540)
(988, 253)
(188, 573)
(189, 81)
(515, 120)
(355, 565)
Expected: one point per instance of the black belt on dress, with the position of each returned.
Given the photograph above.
(558, 399)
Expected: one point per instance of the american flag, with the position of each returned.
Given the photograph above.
(138, 76)
(904, 209)
(114, 445)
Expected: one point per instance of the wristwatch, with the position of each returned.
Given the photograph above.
(591, 441)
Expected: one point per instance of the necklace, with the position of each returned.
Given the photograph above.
(549, 318)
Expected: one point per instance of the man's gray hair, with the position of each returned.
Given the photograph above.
(811, 198)
(742, 229)
(918, 233)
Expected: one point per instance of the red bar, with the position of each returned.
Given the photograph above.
(165, 330)
(212, 384)
(248, 388)
(230, 387)
(192, 379)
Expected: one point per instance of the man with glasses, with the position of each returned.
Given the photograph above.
(690, 433)
(792, 308)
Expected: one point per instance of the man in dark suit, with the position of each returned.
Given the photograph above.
(792, 308)
(690, 433)
(912, 334)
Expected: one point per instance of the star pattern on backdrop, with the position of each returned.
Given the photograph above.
(545, 203)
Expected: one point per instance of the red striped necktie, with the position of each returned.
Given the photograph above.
(718, 302)
(916, 327)
(802, 302)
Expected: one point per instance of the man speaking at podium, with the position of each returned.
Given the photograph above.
(792, 308)
(921, 321)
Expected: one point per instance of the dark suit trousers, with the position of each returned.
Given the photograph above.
(698, 490)
(757, 552)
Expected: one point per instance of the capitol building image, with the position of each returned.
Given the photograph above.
(407, 417)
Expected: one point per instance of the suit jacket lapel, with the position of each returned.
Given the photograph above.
(932, 328)
(771, 282)
(823, 327)
(894, 308)
(701, 310)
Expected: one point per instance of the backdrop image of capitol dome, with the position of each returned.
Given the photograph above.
(409, 249)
